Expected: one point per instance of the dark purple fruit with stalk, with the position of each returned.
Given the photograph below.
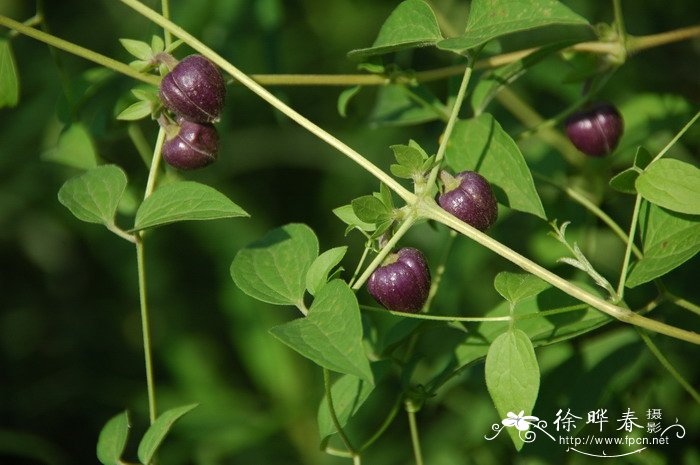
(194, 90)
(469, 197)
(194, 146)
(596, 130)
(402, 283)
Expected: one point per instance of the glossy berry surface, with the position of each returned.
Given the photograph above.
(469, 197)
(194, 90)
(402, 284)
(595, 131)
(195, 146)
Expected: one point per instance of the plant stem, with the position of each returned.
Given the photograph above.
(35, 20)
(385, 424)
(359, 265)
(415, 440)
(451, 122)
(121, 233)
(439, 271)
(155, 164)
(628, 250)
(79, 51)
(403, 229)
(165, 8)
(269, 98)
(675, 138)
(682, 302)
(334, 417)
(425, 316)
(653, 348)
(582, 200)
(619, 21)
(637, 44)
(146, 331)
(432, 211)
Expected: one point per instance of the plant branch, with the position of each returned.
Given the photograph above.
(155, 164)
(403, 229)
(432, 211)
(653, 348)
(269, 98)
(439, 271)
(675, 138)
(165, 8)
(682, 302)
(83, 52)
(637, 44)
(121, 233)
(451, 122)
(145, 330)
(415, 439)
(385, 424)
(628, 250)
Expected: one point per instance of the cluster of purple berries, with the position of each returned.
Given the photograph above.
(402, 283)
(195, 92)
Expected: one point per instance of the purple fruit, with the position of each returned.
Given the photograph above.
(595, 131)
(194, 146)
(194, 90)
(402, 282)
(469, 197)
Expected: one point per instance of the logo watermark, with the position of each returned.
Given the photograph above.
(627, 430)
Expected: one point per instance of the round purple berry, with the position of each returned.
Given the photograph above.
(469, 197)
(402, 283)
(194, 146)
(194, 90)
(596, 130)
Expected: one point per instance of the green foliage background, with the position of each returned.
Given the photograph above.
(70, 343)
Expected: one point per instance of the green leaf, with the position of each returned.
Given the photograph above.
(493, 82)
(401, 171)
(158, 430)
(370, 209)
(138, 49)
(409, 156)
(184, 201)
(344, 99)
(386, 197)
(480, 144)
(136, 111)
(9, 80)
(157, 44)
(489, 19)
(112, 440)
(347, 215)
(669, 240)
(94, 195)
(331, 335)
(399, 105)
(75, 148)
(411, 24)
(625, 181)
(515, 287)
(512, 376)
(671, 184)
(274, 269)
(318, 272)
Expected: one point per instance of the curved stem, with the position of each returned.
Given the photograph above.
(426, 316)
(675, 138)
(146, 330)
(451, 122)
(334, 417)
(668, 365)
(359, 266)
(432, 211)
(121, 233)
(439, 271)
(269, 98)
(83, 52)
(628, 250)
(385, 424)
(403, 229)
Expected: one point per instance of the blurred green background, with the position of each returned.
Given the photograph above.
(70, 341)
